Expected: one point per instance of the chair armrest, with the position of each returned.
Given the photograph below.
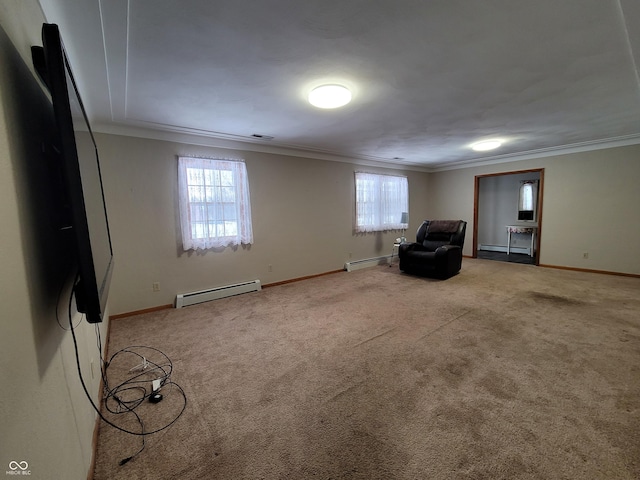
(409, 247)
(448, 260)
(445, 249)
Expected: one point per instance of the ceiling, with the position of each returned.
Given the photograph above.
(428, 77)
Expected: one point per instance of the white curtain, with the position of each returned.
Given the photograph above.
(527, 192)
(215, 207)
(380, 201)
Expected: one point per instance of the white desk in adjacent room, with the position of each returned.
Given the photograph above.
(532, 229)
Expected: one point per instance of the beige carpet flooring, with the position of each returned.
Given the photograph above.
(504, 371)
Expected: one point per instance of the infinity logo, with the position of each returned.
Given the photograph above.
(13, 465)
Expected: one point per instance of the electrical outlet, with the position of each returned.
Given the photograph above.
(585, 255)
(270, 268)
(156, 286)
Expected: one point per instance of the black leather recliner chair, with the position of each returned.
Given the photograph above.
(437, 251)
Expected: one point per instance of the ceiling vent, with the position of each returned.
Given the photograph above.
(262, 137)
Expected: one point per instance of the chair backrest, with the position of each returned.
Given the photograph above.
(436, 233)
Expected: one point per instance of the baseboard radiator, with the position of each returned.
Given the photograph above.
(503, 249)
(367, 262)
(186, 299)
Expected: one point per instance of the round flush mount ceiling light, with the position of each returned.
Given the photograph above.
(486, 145)
(329, 96)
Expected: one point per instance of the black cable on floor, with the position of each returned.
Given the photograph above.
(131, 383)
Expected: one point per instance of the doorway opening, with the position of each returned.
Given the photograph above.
(502, 229)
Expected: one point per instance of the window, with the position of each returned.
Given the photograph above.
(380, 201)
(527, 199)
(215, 210)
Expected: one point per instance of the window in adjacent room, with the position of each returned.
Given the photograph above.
(215, 209)
(380, 201)
(527, 199)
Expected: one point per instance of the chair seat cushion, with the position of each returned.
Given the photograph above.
(421, 255)
(432, 245)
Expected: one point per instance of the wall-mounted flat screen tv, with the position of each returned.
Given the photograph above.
(82, 179)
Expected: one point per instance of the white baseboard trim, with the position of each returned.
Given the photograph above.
(367, 262)
(503, 249)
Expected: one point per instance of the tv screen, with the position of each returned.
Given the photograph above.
(82, 179)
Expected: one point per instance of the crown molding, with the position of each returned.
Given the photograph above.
(236, 142)
(601, 144)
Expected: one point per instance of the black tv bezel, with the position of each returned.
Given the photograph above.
(91, 292)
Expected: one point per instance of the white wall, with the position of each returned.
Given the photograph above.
(45, 418)
(302, 221)
(590, 205)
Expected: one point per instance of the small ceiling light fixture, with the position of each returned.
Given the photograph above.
(329, 96)
(485, 145)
